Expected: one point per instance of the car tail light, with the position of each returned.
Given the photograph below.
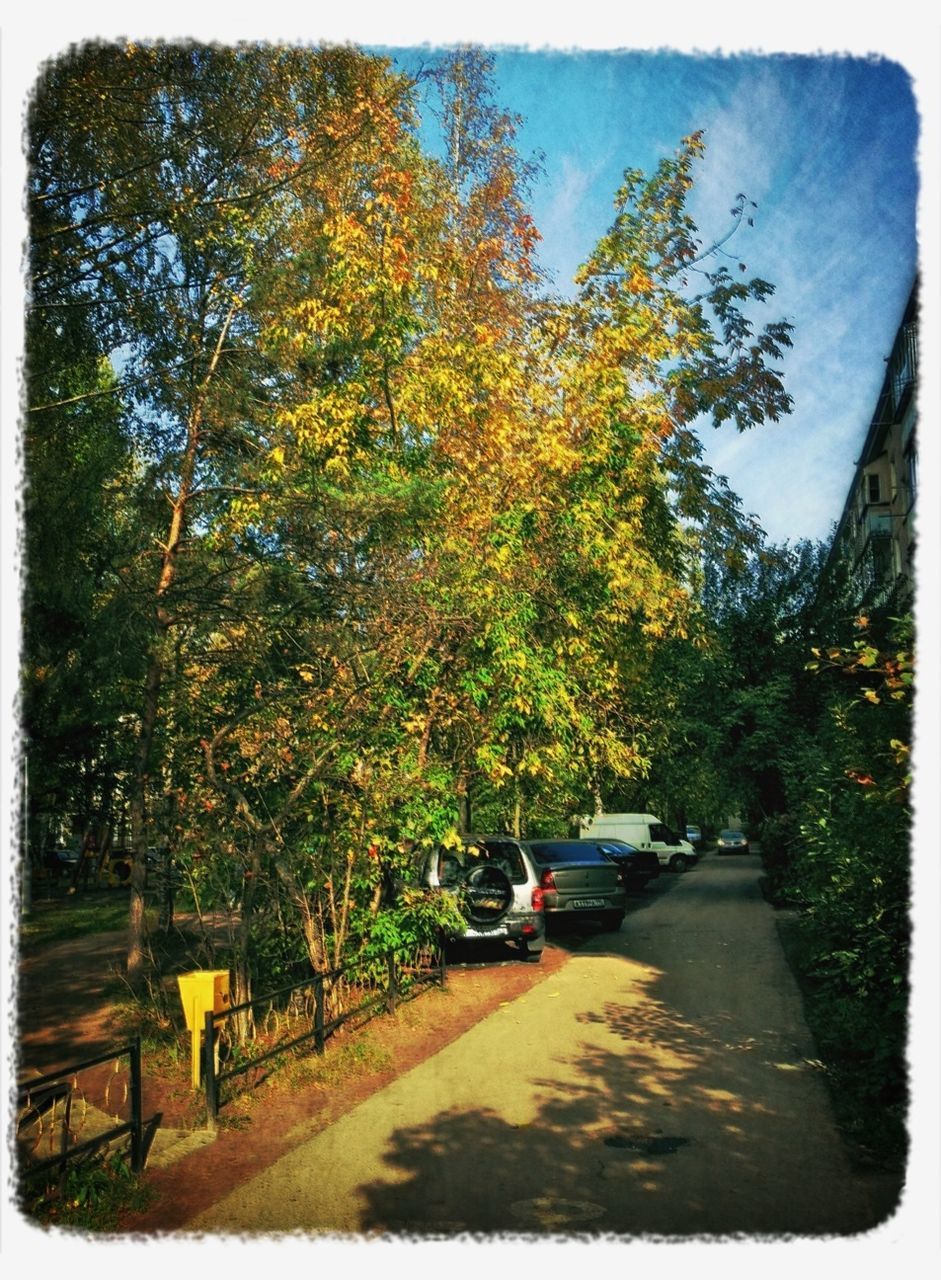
(547, 880)
(539, 899)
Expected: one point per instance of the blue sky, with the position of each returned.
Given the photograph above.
(826, 146)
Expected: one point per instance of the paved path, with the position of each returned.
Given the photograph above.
(662, 1083)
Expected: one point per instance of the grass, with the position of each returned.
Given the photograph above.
(64, 919)
(93, 1196)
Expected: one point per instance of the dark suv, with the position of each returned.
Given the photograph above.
(636, 866)
(498, 890)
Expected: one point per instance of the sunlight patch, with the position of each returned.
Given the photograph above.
(550, 1212)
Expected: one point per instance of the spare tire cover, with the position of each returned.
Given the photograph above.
(488, 894)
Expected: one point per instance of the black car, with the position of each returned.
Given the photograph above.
(635, 866)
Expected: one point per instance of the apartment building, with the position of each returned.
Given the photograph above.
(876, 532)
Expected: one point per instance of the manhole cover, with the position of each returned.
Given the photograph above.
(547, 1211)
(658, 1145)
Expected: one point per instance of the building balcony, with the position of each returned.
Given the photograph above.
(875, 524)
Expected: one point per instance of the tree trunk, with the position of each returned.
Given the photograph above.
(241, 967)
(463, 807)
(156, 665)
(139, 789)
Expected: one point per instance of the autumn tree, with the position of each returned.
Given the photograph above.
(158, 178)
(639, 361)
(410, 532)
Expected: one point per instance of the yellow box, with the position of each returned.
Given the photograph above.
(203, 991)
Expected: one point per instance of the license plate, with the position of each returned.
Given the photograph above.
(499, 932)
(587, 902)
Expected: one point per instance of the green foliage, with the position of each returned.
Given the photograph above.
(779, 837)
(419, 920)
(856, 1001)
(849, 865)
(94, 1194)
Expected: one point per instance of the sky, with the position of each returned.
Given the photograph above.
(826, 148)
(823, 136)
(832, 127)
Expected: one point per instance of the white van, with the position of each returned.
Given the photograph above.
(644, 831)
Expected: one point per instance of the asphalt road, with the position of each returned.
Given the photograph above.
(661, 1084)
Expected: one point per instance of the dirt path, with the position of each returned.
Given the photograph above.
(64, 1009)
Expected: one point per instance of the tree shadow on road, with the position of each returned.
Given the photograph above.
(655, 1125)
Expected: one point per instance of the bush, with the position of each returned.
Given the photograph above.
(844, 856)
(93, 1195)
(418, 920)
(779, 837)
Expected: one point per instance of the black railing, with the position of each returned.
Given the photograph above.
(309, 1013)
(47, 1107)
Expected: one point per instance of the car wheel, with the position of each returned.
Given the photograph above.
(532, 954)
(488, 894)
(612, 920)
(679, 862)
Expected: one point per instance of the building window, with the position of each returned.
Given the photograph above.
(911, 474)
(872, 488)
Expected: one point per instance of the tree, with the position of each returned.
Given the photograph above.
(850, 867)
(79, 646)
(407, 533)
(641, 361)
(158, 178)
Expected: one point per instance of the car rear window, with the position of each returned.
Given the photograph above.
(618, 847)
(546, 851)
(453, 864)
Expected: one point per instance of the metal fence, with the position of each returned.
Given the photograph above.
(71, 1114)
(305, 1015)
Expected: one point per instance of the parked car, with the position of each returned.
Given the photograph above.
(579, 881)
(645, 831)
(694, 836)
(733, 842)
(636, 866)
(499, 890)
(59, 861)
